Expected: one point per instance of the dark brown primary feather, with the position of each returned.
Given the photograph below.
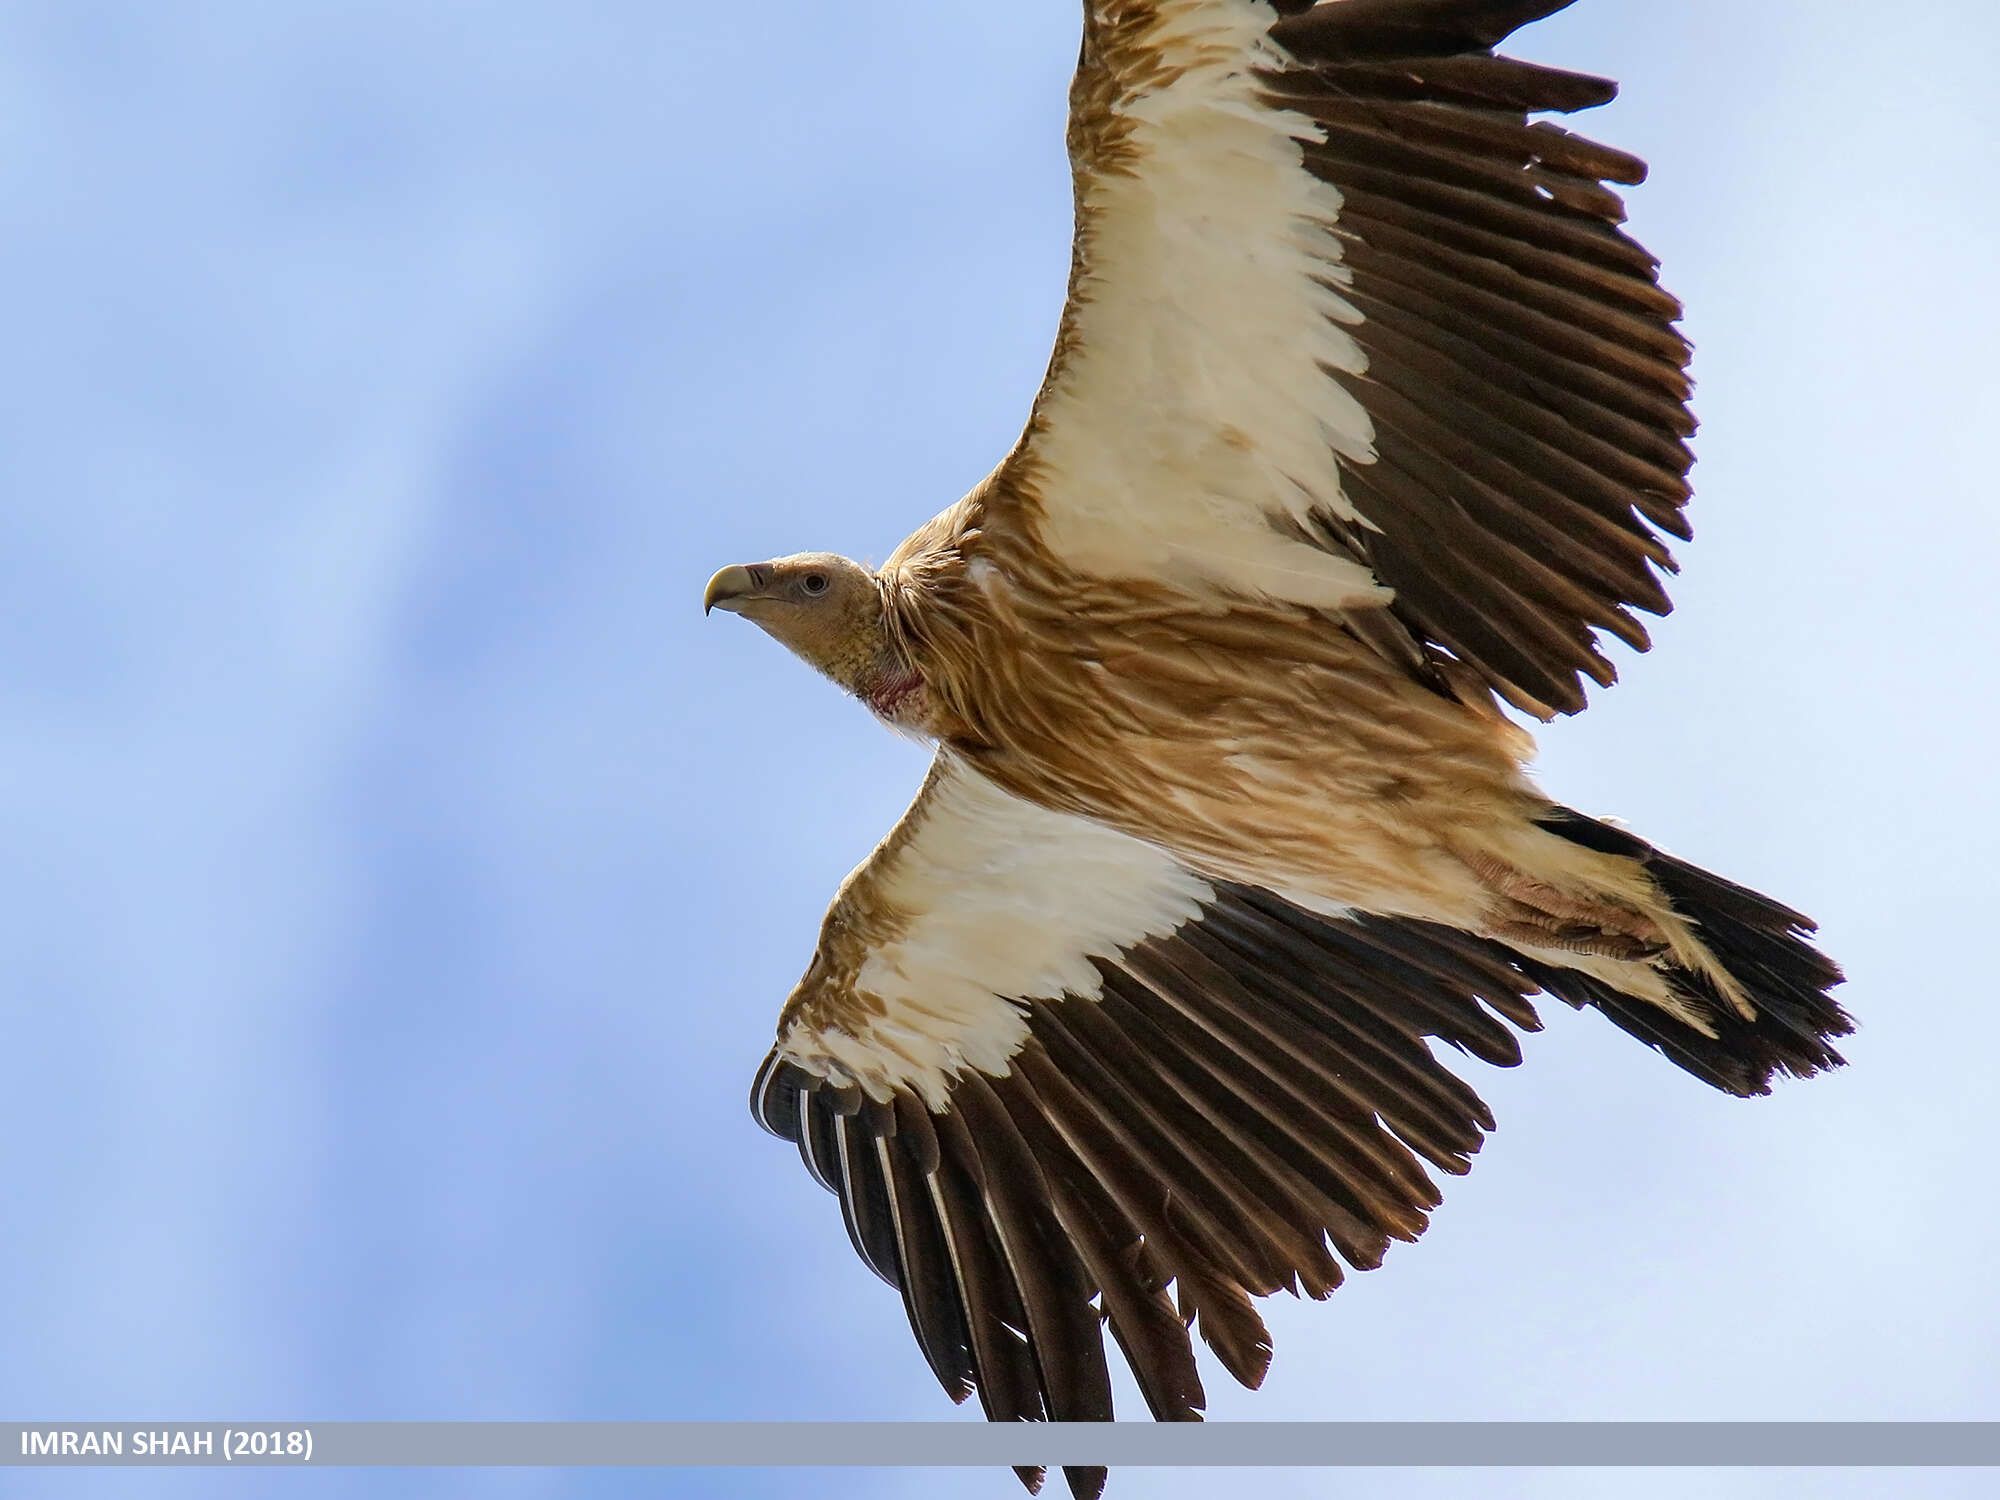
(1527, 385)
(1249, 1095)
(1243, 1109)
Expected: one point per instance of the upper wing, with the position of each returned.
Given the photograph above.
(1048, 1071)
(1340, 318)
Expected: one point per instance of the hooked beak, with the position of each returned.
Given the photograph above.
(732, 585)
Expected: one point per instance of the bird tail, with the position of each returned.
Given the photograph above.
(1761, 947)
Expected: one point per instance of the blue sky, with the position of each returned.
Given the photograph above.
(402, 877)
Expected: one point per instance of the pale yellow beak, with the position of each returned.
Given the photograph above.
(728, 587)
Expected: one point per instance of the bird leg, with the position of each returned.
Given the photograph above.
(1535, 912)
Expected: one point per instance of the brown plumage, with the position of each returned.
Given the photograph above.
(1364, 417)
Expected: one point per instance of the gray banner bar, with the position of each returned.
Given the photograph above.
(976, 1444)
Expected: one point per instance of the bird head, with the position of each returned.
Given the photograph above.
(825, 608)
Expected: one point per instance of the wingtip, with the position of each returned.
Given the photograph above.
(774, 1096)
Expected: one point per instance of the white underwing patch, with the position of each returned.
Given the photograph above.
(1192, 424)
(999, 902)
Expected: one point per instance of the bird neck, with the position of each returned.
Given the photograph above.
(882, 676)
(894, 691)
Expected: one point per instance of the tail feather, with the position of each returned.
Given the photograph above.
(1762, 945)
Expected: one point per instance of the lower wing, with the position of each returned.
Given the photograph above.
(1051, 1073)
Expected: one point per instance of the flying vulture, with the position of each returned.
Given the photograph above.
(1364, 420)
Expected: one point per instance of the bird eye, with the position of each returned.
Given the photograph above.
(814, 583)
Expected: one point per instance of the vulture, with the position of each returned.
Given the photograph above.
(1365, 423)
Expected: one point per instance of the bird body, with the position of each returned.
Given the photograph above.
(1256, 740)
(1364, 419)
